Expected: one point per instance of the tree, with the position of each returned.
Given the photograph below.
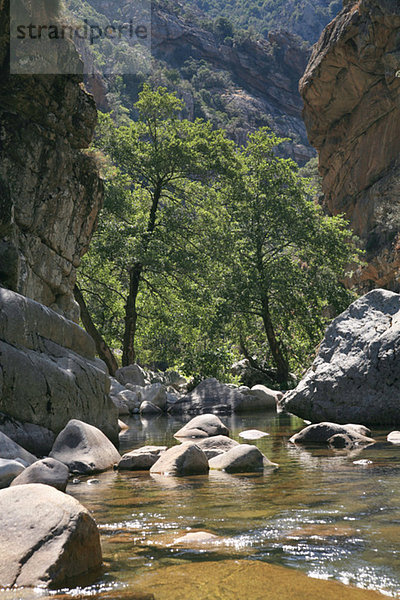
(288, 260)
(160, 192)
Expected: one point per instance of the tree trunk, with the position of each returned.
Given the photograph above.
(129, 354)
(277, 354)
(102, 348)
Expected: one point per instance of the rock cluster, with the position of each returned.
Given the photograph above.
(351, 93)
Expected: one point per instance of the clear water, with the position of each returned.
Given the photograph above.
(330, 514)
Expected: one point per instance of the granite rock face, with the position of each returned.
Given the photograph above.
(46, 537)
(50, 190)
(351, 93)
(48, 370)
(356, 375)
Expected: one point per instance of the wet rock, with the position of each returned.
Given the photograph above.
(84, 448)
(141, 459)
(340, 440)
(185, 459)
(394, 437)
(131, 374)
(148, 408)
(252, 434)
(243, 458)
(9, 470)
(12, 451)
(122, 426)
(47, 471)
(195, 538)
(321, 433)
(46, 537)
(216, 445)
(355, 377)
(203, 426)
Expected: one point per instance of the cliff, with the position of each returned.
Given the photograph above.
(50, 195)
(50, 191)
(351, 93)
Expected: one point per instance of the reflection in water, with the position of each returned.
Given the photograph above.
(331, 514)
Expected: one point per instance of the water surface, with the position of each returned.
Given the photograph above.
(325, 513)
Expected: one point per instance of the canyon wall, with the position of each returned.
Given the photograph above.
(351, 93)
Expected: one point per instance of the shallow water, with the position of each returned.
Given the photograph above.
(329, 514)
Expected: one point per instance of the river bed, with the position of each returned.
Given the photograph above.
(329, 514)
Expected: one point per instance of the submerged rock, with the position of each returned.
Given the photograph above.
(203, 426)
(252, 434)
(141, 459)
(334, 434)
(243, 458)
(84, 448)
(46, 537)
(185, 459)
(47, 471)
(356, 375)
(216, 445)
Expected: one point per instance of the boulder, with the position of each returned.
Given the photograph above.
(185, 459)
(132, 399)
(394, 437)
(12, 451)
(46, 537)
(243, 458)
(9, 470)
(131, 374)
(121, 405)
(267, 397)
(61, 378)
(148, 408)
(209, 395)
(47, 471)
(322, 433)
(216, 445)
(84, 448)
(141, 459)
(155, 394)
(34, 438)
(115, 386)
(203, 426)
(356, 375)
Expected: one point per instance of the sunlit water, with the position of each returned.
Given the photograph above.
(330, 514)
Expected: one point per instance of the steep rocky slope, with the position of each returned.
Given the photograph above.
(50, 195)
(50, 190)
(351, 92)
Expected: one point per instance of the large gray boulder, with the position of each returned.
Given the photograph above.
(356, 375)
(203, 426)
(141, 459)
(156, 395)
(131, 374)
(244, 458)
(84, 448)
(34, 438)
(9, 470)
(12, 451)
(48, 370)
(47, 471)
(46, 537)
(185, 459)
